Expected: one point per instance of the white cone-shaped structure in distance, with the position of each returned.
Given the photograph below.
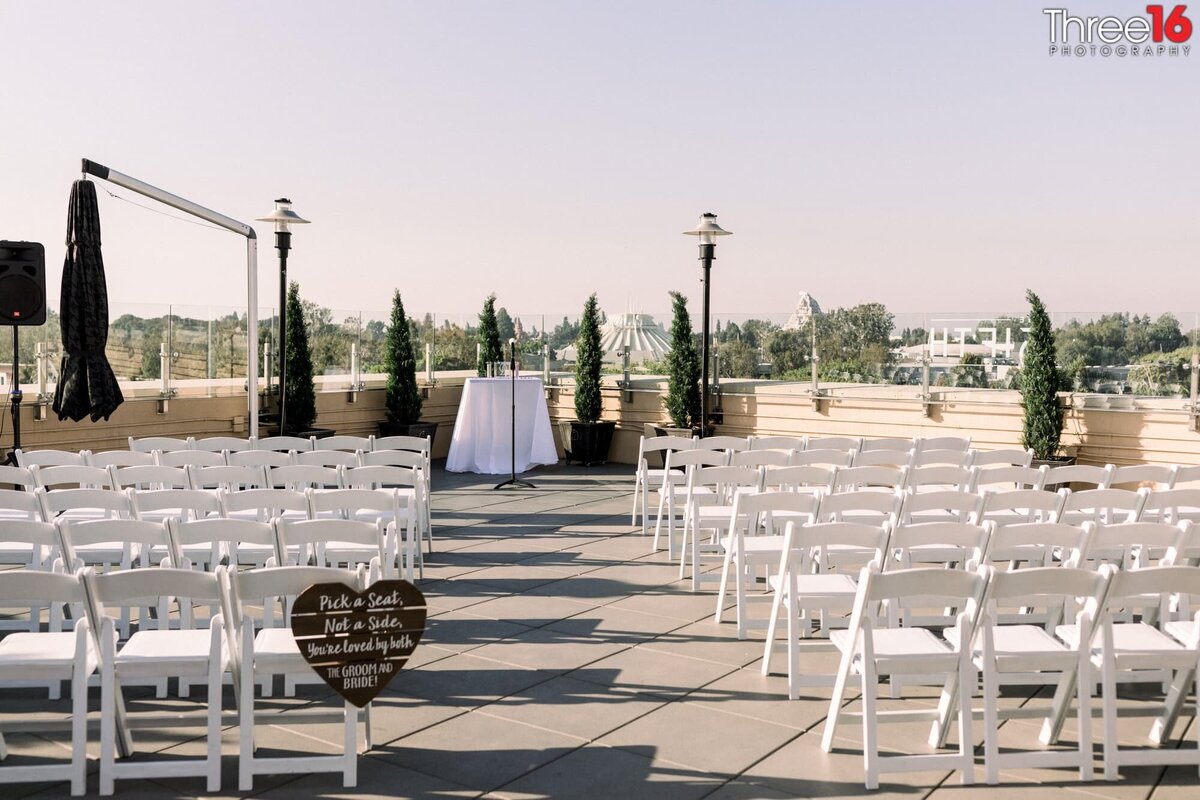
(645, 339)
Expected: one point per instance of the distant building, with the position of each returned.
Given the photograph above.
(645, 339)
(806, 307)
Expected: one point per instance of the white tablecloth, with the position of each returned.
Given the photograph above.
(483, 430)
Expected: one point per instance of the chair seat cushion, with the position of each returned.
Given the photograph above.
(1138, 646)
(42, 652)
(1183, 631)
(148, 652)
(276, 646)
(900, 649)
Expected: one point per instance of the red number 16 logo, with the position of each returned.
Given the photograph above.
(1176, 27)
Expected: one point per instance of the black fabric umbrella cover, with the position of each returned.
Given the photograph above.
(86, 384)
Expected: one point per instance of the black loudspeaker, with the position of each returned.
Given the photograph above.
(22, 283)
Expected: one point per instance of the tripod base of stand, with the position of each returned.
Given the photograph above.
(514, 482)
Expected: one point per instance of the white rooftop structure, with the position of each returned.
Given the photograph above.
(806, 307)
(644, 338)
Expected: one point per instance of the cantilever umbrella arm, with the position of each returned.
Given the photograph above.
(174, 201)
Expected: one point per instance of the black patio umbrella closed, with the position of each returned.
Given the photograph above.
(86, 384)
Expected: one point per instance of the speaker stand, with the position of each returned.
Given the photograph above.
(513, 480)
(15, 397)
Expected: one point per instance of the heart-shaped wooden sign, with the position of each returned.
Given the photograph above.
(358, 641)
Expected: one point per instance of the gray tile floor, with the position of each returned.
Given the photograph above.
(564, 658)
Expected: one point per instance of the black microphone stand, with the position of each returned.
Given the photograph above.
(512, 380)
(15, 398)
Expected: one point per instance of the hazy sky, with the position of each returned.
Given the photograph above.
(931, 156)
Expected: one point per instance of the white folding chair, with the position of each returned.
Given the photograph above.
(947, 505)
(1138, 652)
(672, 490)
(1102, 505)
(755, 540)
(50, 656)
(1187, 475)
(299, 477)
(26, 543)
(263, 505)
(71, 476)
(1026, 654)
(1089, 477)
(274, 651)
(1172, 505)
(1035, 544)
(327, 458)
(413, 444)
(710, 496)
(218, 478)
(386, 506)
(867, 507)
(873, 478)
(348, 443)
(284, 443)
(119, 458)
(825, 457)
(334, 542)
(219, 444)
(959, 443)
(940, 478)
(158, 654)
(732, 444)
(871, 652)
(1158, 476)
(1000, 479)
(883, 458)
(804, 590)
(190, 458)
(239, 541)
(148, 477)
(262, 459)
(80, 504)
(956, 458)
(760, 458)
(159, 505)
(892, 443)
(847, 444)
(16, 477)
(1019, 506)
(1007, 457)
(644, 474)
(411, 487)
(411, 459)
(166, 444)
(776, 442)
(50, 458)
(799, 479)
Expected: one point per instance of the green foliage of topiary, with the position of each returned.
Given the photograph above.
(588, 364)
(489, 336)
(301, 392)
(1039, 385)
(403, 399)
(683, 369)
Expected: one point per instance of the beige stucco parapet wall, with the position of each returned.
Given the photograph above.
(1099, 429)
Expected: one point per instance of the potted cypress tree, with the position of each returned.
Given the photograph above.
(489, 337)
(683, 373)
(301, 402)
(589, 438)
(403, 399)
(1043, 424)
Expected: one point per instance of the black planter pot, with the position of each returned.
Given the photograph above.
(418, 429)
(590, 442)
(320, 433)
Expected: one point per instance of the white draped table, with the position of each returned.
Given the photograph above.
(483, 430)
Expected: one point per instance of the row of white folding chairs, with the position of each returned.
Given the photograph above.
(218, 443)
(231, 645)
(202, 457)
(715, 485)
(391, 510)
(383, 468)
(1098, 643)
